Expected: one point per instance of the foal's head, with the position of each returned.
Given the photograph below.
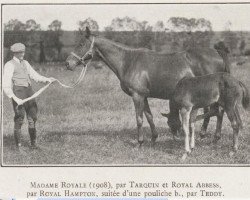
(83, 52)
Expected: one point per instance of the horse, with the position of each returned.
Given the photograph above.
(213, 110)
(220, 89)
(144, 73)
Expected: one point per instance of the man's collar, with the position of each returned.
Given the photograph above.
(16, 59)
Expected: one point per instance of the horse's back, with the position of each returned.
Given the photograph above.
(205, 61)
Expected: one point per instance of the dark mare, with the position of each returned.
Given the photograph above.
(220, 89)
(147, 74)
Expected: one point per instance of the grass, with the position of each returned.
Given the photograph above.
(95, 124)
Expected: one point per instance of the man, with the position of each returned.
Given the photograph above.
(17, 86)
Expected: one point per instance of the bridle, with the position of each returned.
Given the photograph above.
(89, 52)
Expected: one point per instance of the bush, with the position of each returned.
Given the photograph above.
(247, 52)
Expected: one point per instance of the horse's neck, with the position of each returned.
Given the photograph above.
(112, 55)
(225, 58)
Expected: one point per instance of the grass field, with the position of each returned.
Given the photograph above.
(95, 124)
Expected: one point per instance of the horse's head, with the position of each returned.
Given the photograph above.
(83, 52)
(221, 47)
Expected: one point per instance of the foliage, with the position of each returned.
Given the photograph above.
(247, 52)
(242, 46)
(179, 24)
(128, 24)
(55, 32)
(231, 39)
(56, 25)
(89, 22)
(31, 25)
(16, 25)
(158, 27)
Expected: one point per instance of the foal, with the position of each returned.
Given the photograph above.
(222, 89)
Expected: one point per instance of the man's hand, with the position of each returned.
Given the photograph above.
(51, 80)
(17, 100)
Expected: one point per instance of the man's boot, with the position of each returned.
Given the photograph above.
(32, 133)
(17, 136)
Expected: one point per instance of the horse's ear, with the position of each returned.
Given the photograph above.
(165, 114)
(88, 33)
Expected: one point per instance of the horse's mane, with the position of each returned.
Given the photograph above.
(132, 49)
(123, 46)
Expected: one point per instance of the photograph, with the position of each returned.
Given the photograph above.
(125, 84)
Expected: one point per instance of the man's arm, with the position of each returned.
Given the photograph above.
(35, 76)
(7, 79)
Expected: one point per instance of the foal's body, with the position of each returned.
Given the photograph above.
(197, 92)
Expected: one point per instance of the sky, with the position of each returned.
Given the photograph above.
(218, 14)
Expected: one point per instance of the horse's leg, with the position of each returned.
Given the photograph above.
(139, 107)
(205, 123)
(238, 116)
(174, 119)
(220, 114)
(192, 127)
(149, 117)
(185, 115)
(231, 113)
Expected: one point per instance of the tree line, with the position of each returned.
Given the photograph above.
(118, 24)
(177, 33)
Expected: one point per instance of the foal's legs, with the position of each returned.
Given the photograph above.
(205, 123)
(192, 127)
(231, 113)
(149, 117)
(220, 114)
(139, 107)
(238, 116)
(185, 115)
(174, 119)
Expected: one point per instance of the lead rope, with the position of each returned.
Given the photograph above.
(82, 74)
(36, 94)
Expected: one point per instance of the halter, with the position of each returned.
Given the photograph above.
(89, 52)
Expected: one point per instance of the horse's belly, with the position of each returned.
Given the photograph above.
(204, 100)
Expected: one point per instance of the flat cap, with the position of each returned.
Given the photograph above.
(17, 47)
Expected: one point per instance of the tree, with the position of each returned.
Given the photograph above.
(31, 25)
(55, 32)
(179, 24)
(89, 22)
(194, 32)
(14, 25)
(55, 25)
(159, 27)
(128, 24)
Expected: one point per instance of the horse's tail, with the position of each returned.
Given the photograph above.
(246, 97)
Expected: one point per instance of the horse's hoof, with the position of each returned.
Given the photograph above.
(153, 139)
(152, 143)
(184, 157)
